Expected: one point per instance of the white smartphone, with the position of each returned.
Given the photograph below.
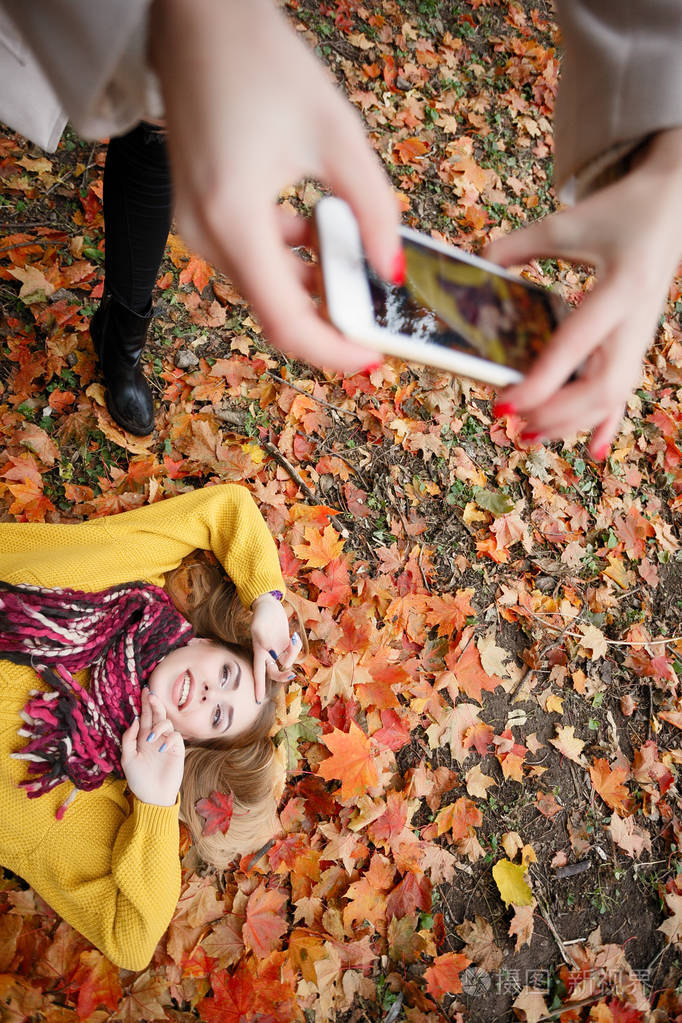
(455, 311)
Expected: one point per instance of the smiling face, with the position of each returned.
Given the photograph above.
(207, 690)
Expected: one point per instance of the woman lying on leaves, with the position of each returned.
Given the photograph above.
(165, 707)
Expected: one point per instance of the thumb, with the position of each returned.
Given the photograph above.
(540, 239)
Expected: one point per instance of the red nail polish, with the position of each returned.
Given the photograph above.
(530, 437)
(504, 408)
(399, 268)
(602, 452)
(372, 366)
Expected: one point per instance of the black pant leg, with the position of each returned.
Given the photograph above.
(137, 199)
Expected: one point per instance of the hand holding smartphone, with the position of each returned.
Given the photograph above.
(455, 311)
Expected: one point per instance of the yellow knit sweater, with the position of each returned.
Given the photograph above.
(110, 867)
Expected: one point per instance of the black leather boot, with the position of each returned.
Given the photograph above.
(119, 335)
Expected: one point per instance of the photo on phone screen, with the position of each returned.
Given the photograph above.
(465, 307)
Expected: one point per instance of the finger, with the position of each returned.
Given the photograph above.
(160, 742)
(159, 728)
(294, 229)
(280, 674)
(563, 235)
(287, 314)
(289, 655)
(604, 434)
(158, 710)
(308, 276)
(354, 172)
(145, 711)
(260, 659)
(581, 332)
(129, 739)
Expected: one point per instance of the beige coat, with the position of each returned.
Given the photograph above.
(621, 81)
(78, 59)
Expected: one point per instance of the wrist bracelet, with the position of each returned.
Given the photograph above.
(277, 594)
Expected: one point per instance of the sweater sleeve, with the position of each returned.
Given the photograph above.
(148, 542)
(112, 873)
(621, 81)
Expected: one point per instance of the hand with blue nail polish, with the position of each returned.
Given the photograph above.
(153, 754)
(274, 651)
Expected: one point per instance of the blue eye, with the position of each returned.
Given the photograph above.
(217, 716)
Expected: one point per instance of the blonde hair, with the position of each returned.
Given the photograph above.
(245, 765)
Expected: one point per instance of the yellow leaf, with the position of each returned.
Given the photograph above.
(255, 453)
(618, 572)
(554, 704)
(528, 855)
(511, 883)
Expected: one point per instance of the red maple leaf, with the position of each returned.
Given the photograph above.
(217, 810)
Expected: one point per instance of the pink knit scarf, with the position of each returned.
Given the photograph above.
(121, 634)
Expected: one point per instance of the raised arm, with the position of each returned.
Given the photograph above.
(618, 137)
(148, 542)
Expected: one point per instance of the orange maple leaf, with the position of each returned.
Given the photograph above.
(609, 784)
(443, 977)
(450, 613)
(333, 584)
(410, 150)
(319, 548)
(264, 924)
(469, 673)
(97, 983)
(351, 762)
(198, 271)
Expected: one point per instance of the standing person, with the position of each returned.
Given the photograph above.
(122, 703)
(249, 110)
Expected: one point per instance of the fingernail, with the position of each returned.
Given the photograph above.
(504, 408)
(162, 747)
(273, 654)
(150, 737)
(259, 702)
(295, 638)
(289, 677)
(399, 268)
(529, 437)
(601, 453)
(371, 367)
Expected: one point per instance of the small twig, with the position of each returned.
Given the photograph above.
(421, 569)
(84, 179)
(611, 642)
(37, 241)
(544, 912)
(320, 401)
(566, 1006)
(286, 464)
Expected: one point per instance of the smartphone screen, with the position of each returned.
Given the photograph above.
(461, 306)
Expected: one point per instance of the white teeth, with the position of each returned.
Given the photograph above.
(184, 692)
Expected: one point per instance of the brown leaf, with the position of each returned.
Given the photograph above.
(479, 944)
